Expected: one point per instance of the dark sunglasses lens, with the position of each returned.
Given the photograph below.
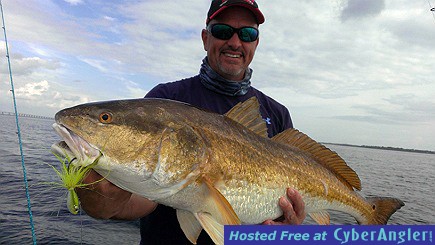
(248, 34)
(223, 32)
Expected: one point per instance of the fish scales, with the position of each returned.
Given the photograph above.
(264, 164)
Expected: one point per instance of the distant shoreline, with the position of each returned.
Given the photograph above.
(6, 113)
(387, 148)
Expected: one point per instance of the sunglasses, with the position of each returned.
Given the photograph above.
(225, 32)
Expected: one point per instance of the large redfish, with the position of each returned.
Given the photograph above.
(214, 169)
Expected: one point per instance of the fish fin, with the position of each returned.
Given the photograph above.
(162, 192)
(221, 205)
(322, 217)
(329, 159)
(248, 114)
(189, 224)
(213, 228)
(383, 208)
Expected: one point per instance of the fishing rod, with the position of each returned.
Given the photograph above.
(29, 207)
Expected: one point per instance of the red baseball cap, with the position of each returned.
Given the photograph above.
(217, 6)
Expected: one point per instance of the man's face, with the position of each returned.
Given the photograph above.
(230, 58)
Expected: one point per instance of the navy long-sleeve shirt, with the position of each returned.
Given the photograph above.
(161, 226)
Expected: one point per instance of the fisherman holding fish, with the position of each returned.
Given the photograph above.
(230, 39)
(206, 151)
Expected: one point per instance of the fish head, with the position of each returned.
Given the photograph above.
(133, 140)
(122, 132)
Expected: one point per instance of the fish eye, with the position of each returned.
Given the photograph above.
(105, 117)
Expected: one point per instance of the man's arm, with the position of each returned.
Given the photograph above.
(104, 200)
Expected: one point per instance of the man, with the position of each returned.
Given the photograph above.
(230, 40)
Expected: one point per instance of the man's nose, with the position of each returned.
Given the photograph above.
(234, 41)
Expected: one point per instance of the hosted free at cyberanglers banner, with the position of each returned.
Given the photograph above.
(333, 234)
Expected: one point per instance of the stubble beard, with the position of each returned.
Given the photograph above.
(231, 72)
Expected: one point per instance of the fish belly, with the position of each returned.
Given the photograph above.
(253, 204)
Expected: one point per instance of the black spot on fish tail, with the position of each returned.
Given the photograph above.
(383, 208)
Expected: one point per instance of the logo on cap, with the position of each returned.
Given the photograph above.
(218, 6)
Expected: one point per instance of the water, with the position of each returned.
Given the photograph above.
(52, 220)
(404, 175)
(408, 176)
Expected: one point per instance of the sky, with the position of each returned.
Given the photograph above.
(349, 71)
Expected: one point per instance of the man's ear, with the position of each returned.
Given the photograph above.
(204, 36)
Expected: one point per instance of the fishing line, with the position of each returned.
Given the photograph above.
(81, 226)
(29, 207)
(432, 9)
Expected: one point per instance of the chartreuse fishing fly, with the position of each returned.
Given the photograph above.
(71, 176)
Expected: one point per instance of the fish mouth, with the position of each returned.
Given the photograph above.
(74, 146)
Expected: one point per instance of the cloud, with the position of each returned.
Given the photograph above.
(417, 107)
(362, 9)
(47, 94)
(135, 91)
(318, 62)
(29, 65)
(32, 90)
(397, 109)
(35, 24)
(168, 39)
(413, 26)
(74, 2)
(365, 67)
(23, 65)
(98, 64)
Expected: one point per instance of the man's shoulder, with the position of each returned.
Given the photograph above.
(183, 83)
(171, 90)
(276, 115)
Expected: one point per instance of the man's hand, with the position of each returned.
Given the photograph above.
(104, 200)
(293, 207)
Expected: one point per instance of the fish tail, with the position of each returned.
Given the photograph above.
(383, 208)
